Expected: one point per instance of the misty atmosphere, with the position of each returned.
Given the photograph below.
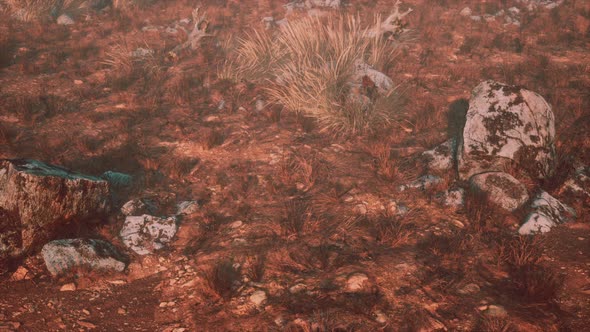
(306, 165)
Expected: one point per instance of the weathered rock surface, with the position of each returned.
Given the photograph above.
(38, 200)
(547, 212)
(146, 234)
(187, 208)
(424, 182)
(577, 186)
(383, 83)
(501, 190)
(138, 207)
(64, 19)
(61, 256)
(507, 123)
(441, 158)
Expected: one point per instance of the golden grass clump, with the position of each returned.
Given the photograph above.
(312, 65)
(33, 10)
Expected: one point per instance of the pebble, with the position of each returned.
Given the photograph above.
(68, 287)
(258, 297)
(356, 282)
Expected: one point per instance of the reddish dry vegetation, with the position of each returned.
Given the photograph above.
(284, 205)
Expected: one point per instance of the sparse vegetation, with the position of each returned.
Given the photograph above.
(310, 67)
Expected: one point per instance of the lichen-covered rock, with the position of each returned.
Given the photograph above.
(441, 158)
(61, 256)
(507, 123)
(501, 190)
(64, 19)
(577, 186)
(454, 197)
(382, 82)
(146, 234)
(546, 212)
(40, 200)
(424, 182)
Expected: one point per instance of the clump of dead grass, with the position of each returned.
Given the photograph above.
(309, 67)
(44, 10)
(126, 65)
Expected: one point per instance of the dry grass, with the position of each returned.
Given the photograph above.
(309, 67)
(44, 10)
(522, 251)
(126, 67)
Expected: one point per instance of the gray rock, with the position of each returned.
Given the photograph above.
(423, 183)
(577, 186)
(43, 200)
(507, 123)
(138, 207)
(454, 197)
(546, 213)
(465, 12)
(356, 282)
(441, 158)
(146, 234)
(383, 83)
(61, 256)
(64, 19)
(324, 3)
(501, 190)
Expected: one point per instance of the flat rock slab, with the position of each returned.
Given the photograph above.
(146, 234)
(507, 123)
(441, 158)
(42, 200)
(61, 256)
(501, 190)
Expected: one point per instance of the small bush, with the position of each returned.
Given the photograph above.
(309, 67)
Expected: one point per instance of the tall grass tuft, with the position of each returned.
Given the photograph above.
(310, 66)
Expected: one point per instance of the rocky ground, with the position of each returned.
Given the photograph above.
(187, 202)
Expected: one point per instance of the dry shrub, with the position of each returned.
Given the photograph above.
(44, 10)
(308, 67)
(479, 212)
(223, 277)
(297, 214)
(125, 67)
(522, 251)
(494, 324)
(393, 230)
(536, 284)
(384, 164)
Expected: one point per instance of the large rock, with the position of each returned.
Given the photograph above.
(38, 201)
(501, 190)
(546, 212)
(61, 256)
(146, 234)
(507, 123)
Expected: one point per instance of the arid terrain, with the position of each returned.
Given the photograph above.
(266, 214)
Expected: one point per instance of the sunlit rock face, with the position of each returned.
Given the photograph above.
(546, 213)
(62, 256)
(41, 200)
(503, 124)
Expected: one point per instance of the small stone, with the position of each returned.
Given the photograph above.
(258, 297)
(380, 317)
(86, 312)
(68, 287)
(356, 282)
(495, 311)
(121, 311)
(21, 273)
(465, 12)
(187, 208)
(78, 82)
(64, 19)
(297, 288)
(163, 304)
(87, 325)
(236, 224)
